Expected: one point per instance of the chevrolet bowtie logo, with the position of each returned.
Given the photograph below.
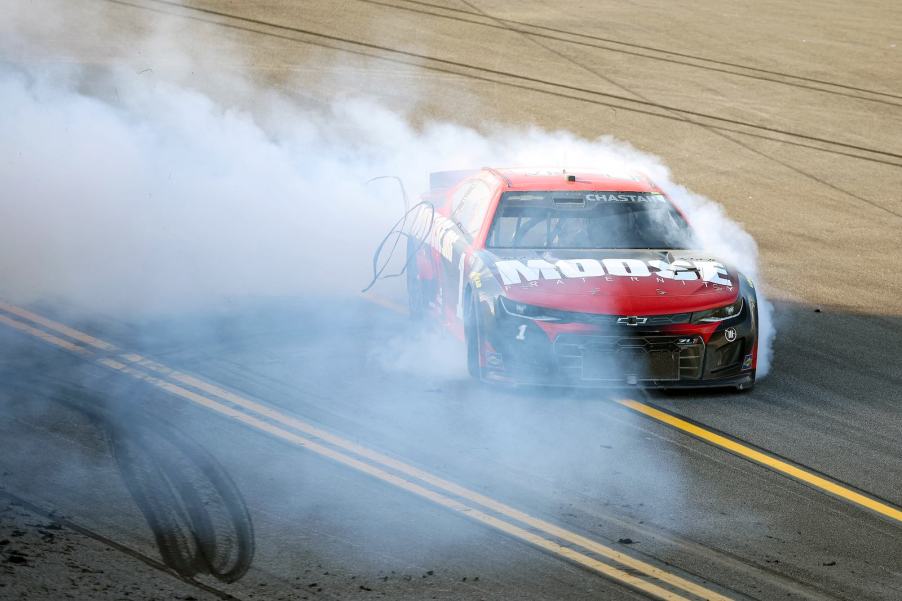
(632, 320)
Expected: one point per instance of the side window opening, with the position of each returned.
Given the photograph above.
(458, 197)
(471, 206)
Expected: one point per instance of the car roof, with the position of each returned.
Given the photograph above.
(585, 179)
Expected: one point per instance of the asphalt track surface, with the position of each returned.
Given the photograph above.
(411, 482)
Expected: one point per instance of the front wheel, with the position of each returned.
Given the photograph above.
(747, 386)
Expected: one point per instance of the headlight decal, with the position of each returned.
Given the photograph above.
(526, 311)
(720, 313)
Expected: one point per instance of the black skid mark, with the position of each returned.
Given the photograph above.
(197, 514)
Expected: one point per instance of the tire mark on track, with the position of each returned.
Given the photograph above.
(671, 52)
(888, 157)
(718, 132)
(680, 59)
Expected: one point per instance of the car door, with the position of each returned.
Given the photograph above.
(468, 213)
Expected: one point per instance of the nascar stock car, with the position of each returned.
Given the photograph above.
(578, 279)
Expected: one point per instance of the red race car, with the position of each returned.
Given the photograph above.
(578, 279)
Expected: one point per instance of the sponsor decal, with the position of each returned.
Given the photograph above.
(443, 234)
(517, 272)
(624, 197)
(730, 334)
(747, 362)
(697, 258)
(447, 236)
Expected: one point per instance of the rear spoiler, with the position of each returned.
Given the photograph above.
(442, 180)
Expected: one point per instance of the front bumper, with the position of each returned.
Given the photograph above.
(593, 354)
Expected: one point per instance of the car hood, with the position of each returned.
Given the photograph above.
(622, 282)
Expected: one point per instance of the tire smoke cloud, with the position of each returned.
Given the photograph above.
(125, 191)
(155, 189)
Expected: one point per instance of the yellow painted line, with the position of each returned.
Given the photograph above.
(125, 363)
(766, 460)
(61, 328)
(385, 303)
(37, 333)
(456, 506)
(445, 485)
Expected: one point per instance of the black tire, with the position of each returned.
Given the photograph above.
(471, 334)
(198, 517)
(748, 386)
(416, 294)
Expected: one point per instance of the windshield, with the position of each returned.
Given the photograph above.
(569, 219)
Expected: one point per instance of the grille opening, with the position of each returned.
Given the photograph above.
(727, 356)
(691, 361)
(620, 358)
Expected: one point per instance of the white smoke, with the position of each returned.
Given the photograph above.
(129, 191)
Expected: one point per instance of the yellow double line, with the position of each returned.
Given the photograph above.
(606, 561)
(784, 467)
(769, 461)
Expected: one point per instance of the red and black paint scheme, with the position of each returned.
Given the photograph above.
(579, 279)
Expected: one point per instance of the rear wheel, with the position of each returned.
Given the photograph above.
(471, 335)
